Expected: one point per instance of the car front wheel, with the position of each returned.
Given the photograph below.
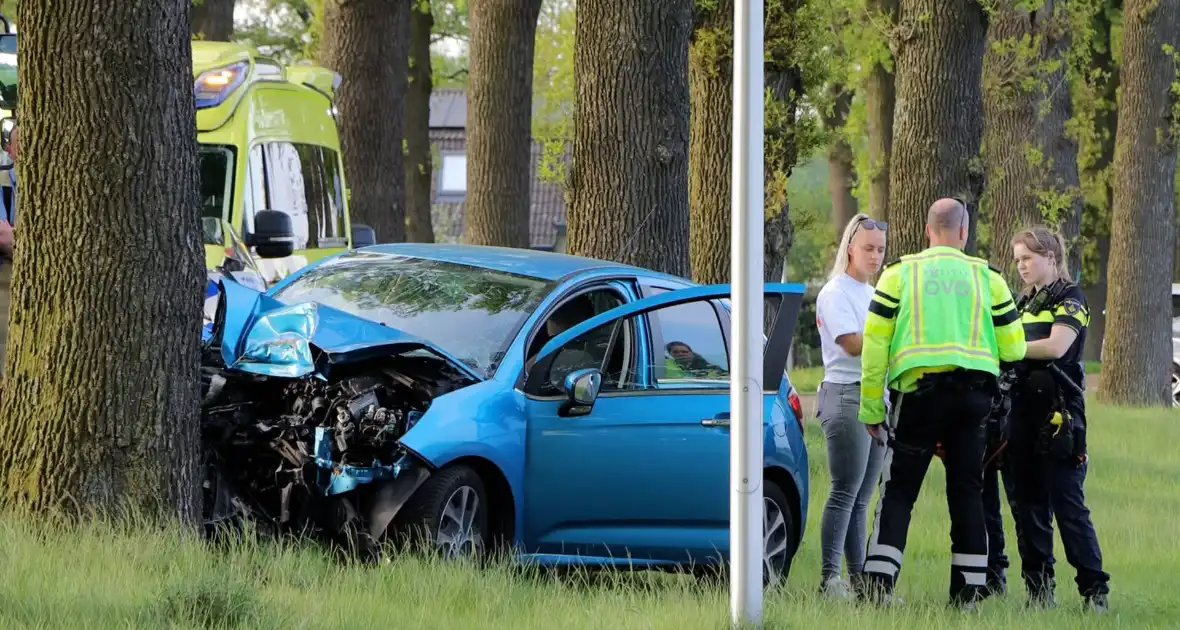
(448, 514)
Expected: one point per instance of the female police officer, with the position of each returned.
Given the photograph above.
(1048, 425)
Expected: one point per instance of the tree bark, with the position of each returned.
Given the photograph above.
(367, 42)
(938, 122)
(710, 144)
(101, 400)
(499, 121)
(629, 181)
(1137, 366)
(880, 99)
(1032, 164)
(841, 160)
(419, 157)
(212, 20)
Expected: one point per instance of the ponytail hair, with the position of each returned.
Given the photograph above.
(1042, 241)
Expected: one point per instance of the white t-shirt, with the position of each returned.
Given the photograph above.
(841, 308)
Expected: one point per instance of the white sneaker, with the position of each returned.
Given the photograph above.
(836, 588)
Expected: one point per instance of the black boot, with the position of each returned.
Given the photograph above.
(997, 583)
(1099, 603)
(1041, 591)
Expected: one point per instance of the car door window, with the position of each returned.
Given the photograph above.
(692, 351)
(609, 348)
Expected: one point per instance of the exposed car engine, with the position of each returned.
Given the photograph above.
(302, 456)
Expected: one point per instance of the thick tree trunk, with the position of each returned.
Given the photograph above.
(938, 123)
(629, 180)
(367, 42)
(880, 99)
(419, 157)
(101, 401)
(1137, 365)
(212, 20)
(1032, 164)
(499, 121)
(711, 84)
(710, 144)
(841, 161)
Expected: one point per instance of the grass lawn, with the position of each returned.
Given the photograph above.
(97, 578)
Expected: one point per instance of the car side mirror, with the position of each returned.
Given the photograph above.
(273, 235)
(363, 236)
(231, 264)
(581, 389)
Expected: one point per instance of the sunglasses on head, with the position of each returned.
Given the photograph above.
(872, 224)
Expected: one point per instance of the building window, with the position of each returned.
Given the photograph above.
(452, 177)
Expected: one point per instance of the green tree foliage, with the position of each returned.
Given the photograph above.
(553, 86)
(291, 30)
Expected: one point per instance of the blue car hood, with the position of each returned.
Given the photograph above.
(261, 335)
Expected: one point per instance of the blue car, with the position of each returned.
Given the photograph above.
(570, 410)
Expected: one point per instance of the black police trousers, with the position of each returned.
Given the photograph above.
(1045, 488)
(950, 408)
(995, 472)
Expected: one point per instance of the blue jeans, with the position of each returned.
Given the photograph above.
(854, 461)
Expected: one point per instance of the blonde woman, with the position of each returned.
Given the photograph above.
(854, 459)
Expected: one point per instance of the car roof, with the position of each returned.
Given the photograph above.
(526, 262)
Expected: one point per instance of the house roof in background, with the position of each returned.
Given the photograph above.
(448, 109)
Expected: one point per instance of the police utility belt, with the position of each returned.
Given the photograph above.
(1060, 436)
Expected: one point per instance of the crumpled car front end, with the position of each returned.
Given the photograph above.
(302, 414)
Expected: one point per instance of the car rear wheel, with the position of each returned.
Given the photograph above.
(1175, 385)
(448, 514)
(779, 541)
(778, 535)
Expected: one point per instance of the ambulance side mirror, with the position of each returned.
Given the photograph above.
(273, 235)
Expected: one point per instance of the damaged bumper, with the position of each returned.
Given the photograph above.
(303, 412)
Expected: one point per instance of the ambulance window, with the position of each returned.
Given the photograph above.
(254, 198)
(216, 179)
(286, 187)
(325, 212)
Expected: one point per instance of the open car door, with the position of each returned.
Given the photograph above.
(628, 462)
(783, 302)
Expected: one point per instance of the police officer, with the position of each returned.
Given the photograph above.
(939, 323)
(1047, 445)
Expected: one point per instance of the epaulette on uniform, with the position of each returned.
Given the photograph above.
(994, 269)
(890, 264)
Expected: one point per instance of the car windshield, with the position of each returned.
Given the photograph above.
(470, 312)
(216, 172)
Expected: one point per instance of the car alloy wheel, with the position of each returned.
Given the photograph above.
(775, 550)
(778, 535)
(1176, 385)
(458, 526)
